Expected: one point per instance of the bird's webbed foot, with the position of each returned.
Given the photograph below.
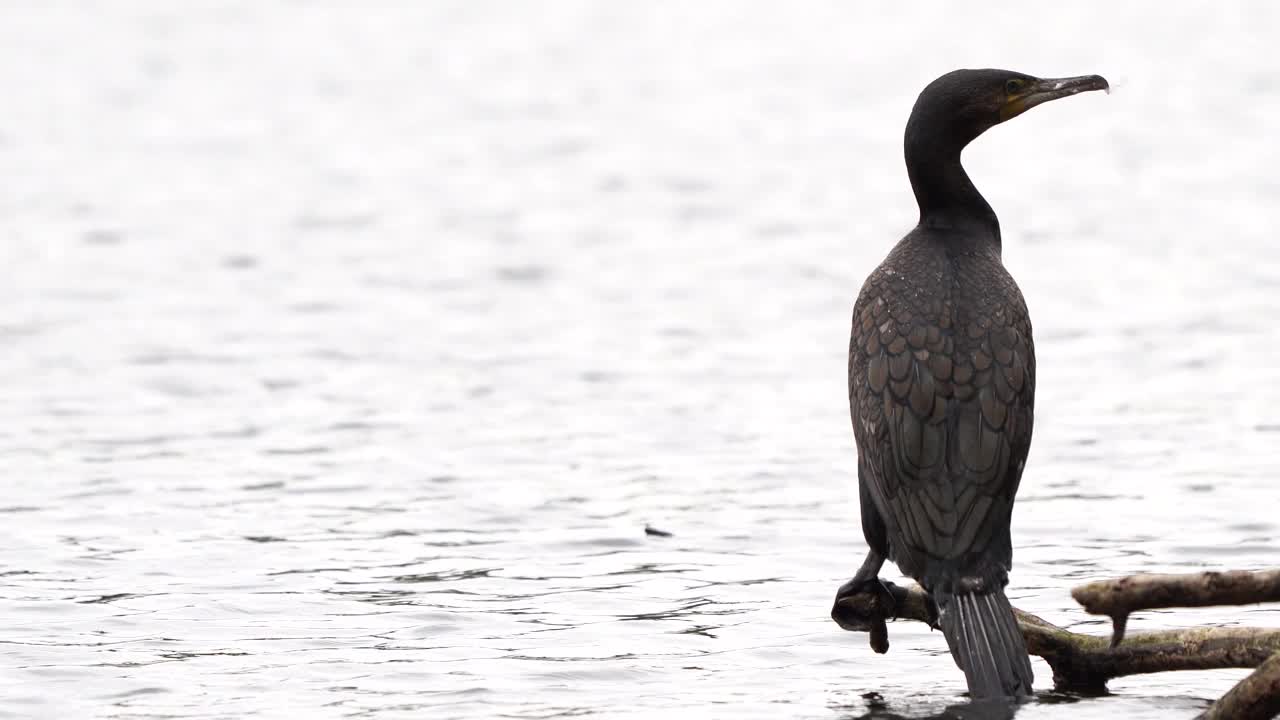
(863, 604)
(871, 593)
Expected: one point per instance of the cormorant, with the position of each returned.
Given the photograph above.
(942, 384)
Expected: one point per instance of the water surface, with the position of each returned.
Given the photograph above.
(348, 351)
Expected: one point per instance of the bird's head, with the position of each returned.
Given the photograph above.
(965, 103)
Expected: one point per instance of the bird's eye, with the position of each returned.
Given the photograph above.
(1013, 87)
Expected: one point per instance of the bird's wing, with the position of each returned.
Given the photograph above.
(942, 414)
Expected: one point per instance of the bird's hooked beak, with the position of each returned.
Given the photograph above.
(1042, 91)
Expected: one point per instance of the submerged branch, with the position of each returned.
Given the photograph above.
(1256, 697)
(1080, 662)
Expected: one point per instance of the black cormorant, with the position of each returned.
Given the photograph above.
(942, 383)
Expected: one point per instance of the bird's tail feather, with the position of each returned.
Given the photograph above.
(985, 642)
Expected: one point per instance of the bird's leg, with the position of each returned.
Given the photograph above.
(863, 603)
(931, 607)
(867, 579)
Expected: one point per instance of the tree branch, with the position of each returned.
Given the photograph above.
(1080, 662)
(1120, 597)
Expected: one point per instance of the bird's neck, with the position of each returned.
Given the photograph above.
(944, 192)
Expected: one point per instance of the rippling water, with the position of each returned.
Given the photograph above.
(348, 352)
